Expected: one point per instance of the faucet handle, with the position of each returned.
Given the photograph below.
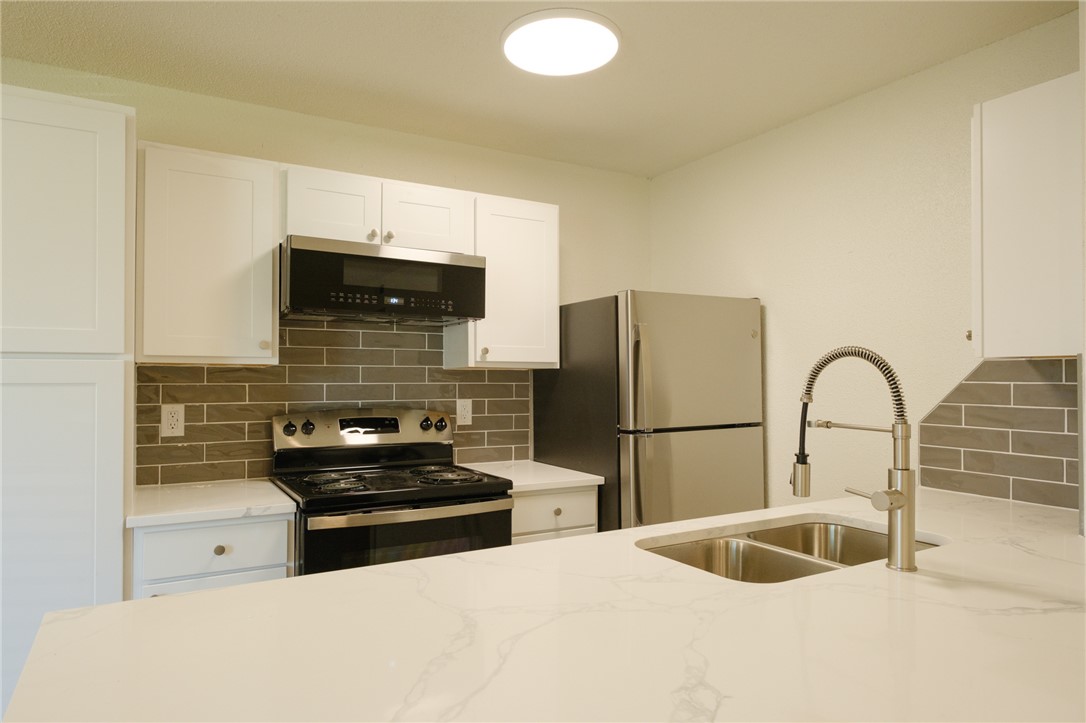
(882, 500)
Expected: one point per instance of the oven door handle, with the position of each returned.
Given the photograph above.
(388, 517)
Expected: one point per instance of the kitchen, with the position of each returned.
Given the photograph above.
(896, 158)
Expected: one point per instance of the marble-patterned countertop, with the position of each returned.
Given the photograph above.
(204, 501)
(593, 628)
(530, 476)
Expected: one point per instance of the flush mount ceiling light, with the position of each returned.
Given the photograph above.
(560, 42)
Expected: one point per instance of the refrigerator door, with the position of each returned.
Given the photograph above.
(695, 473)
(688, 361)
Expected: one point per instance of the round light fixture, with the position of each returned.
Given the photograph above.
(560, 42)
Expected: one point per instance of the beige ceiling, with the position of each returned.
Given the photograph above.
(690, 77)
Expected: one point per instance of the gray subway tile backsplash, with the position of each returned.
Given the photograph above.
(1008, 430)
(321, 365)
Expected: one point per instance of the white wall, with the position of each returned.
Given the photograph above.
(603, 216)
(853, 227)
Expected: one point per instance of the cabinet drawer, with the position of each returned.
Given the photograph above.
(212, 582)
(214, 549)
(555, 511)
(556, 535)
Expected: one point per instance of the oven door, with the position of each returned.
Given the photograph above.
(335, 541)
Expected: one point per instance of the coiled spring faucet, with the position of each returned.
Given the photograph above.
(899, 497)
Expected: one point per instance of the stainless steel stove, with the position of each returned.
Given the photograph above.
(379, 485)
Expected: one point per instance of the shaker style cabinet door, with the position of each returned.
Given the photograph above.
(63, 514)
(1027, 222)
(520, 242)
(427, 217)
(333, 205)
(63, 270)
(208, 247)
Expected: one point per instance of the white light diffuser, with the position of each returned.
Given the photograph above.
(560, 42)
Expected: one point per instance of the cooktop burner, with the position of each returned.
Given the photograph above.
(445, 476)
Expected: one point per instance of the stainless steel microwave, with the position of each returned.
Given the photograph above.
(331, 279)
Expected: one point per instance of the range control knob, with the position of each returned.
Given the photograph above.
(440, 424)
(289, 429)
(308, 427)
(425, 424)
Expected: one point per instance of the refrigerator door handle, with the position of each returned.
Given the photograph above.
(643, 360)
(643, 469)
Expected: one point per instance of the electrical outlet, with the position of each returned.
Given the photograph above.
(463, 412)
(173, 420)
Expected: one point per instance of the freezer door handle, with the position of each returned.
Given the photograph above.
(643, 362)
(643, 468)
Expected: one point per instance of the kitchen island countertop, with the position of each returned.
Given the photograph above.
(593, 628)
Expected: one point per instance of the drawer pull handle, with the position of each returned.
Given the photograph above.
(219, 550)
(557, 511)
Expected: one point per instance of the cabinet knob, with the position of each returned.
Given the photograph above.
(969, 335)
(372, 235)
(219, 550)
(557, 511)
(389, 236)
(485, 350)
(264, 344)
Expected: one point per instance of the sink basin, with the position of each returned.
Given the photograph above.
(780, 550)
(743, 560)
(832, 541)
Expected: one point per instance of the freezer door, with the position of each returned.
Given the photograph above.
(696, 473)
(688, 360)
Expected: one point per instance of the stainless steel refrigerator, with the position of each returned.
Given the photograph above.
(661, 395)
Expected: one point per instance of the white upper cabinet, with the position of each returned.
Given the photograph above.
(427, 217)
(64, 224)
(349, 207)
(1027, 222)
(208, 253)
(520, 242)
(330, 204)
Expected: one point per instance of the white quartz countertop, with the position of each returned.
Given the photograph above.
(593, 628)
(531, 476)
(201, 502)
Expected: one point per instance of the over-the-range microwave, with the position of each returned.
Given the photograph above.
(332, 279)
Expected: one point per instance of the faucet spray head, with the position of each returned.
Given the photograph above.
(801, 477)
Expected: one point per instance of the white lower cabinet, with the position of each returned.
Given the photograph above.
(551, 514)
(204, 555)
(61, 536)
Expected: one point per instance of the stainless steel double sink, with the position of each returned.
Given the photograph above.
(779, 552)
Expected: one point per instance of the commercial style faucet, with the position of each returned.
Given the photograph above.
(899, 497)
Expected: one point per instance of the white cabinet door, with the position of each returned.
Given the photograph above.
(331, 204)
(427, 217)
(208, 255)
(1027, 222)
(64, 224)
(63, 516)
(520, 242)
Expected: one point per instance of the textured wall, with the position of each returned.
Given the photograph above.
(321, 365)
(1009, 430)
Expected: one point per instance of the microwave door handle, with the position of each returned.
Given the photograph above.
(644, 402)
(388, 517)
